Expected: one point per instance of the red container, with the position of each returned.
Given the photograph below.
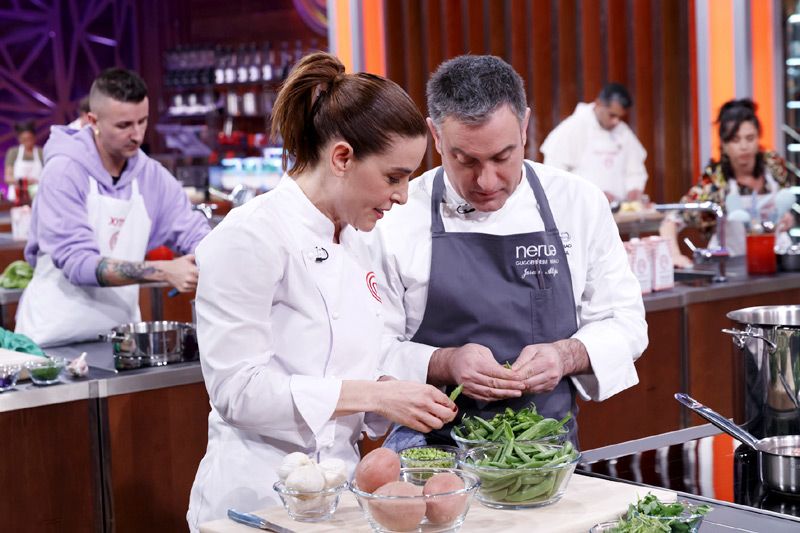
(761, 254)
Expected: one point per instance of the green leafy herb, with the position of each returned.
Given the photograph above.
(456, 392)
(651, 515)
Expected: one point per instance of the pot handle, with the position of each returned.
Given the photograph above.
(739, 336)
(718, 420)
(113, 336)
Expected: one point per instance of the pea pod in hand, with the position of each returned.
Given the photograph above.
(456, 392)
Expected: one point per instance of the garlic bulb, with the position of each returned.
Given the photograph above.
(334, 470)
(78, 367)
(307, 478)
(292, 462)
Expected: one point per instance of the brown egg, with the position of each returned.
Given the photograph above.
(446, 508)
(402, 514)
(377, 468)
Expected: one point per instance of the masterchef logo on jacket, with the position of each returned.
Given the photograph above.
(534, 253)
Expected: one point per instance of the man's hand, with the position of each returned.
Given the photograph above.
(633, 195)
(181, 273)
(610, 197)
(542, 366)
(474, 366)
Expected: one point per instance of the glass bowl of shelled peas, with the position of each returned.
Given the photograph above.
(431, 456)
(524, 426)
(516, 476)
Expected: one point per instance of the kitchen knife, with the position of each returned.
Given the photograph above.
(249, 519)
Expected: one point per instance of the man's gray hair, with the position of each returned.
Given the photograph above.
(469, 88)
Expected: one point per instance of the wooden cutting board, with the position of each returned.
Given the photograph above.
(588, 501)
(10, 357)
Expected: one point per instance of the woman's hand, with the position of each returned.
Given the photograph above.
(415, 405)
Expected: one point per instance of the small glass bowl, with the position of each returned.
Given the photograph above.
(433, 513)
(8, 376)
(47, 371)
(518, 488)
(451, 461)
(605, 527)
(314, 506)
(466, 445)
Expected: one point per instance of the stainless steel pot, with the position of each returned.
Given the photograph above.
(141, 344)
(789, 259)
(769, 340)
(778, 457)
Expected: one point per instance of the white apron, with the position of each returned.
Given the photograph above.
(602, 163)
(764, 209)
(53, 311)
(30, 170)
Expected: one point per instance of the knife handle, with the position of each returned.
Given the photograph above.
(248, 519)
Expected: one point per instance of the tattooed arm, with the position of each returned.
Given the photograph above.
(180, 273)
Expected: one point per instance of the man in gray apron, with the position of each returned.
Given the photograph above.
(499, 285)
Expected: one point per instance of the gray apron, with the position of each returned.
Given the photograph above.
(504, 292)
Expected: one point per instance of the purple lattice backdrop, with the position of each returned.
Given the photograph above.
(51, 50)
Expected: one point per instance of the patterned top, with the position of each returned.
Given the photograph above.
(713, 187)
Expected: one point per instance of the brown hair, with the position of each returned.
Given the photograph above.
(319, 102)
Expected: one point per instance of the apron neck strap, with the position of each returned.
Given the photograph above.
(437, 197)
(541, 199)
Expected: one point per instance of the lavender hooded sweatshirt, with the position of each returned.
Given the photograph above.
(59, 222)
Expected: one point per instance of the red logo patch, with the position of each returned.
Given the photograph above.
(372, 285)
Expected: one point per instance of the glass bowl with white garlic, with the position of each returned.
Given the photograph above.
(309, 490)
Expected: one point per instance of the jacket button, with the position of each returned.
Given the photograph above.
(335, 315)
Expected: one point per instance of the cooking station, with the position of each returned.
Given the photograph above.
(703, 465)
(137, 436)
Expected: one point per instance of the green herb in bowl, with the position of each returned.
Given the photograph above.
(651, 514)
(45, 371)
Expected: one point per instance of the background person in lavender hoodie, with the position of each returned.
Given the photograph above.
(102, 203)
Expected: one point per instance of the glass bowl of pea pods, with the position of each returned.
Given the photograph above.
(524, 426)
(517, 476)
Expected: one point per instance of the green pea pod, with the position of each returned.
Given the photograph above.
(456, 392)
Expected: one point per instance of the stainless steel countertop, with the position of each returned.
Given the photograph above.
(101, 382)
(738, 284)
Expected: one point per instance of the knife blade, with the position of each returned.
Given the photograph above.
(249, 519)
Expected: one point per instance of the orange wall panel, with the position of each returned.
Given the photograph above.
(721, 70)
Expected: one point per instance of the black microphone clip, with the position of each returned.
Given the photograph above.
(322, 254)
(463, 209)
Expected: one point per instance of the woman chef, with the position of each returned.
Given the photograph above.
(23, 164)
(289, 317)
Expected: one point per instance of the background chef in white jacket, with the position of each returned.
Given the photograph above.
(288, 311)
(497, 259)
(596, 144)
(23, 163)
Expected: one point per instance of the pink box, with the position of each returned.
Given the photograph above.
(641, 263)
(663, 269)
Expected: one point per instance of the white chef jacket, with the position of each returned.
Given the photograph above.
(278, 331)
(611, 159)
(608, 298)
